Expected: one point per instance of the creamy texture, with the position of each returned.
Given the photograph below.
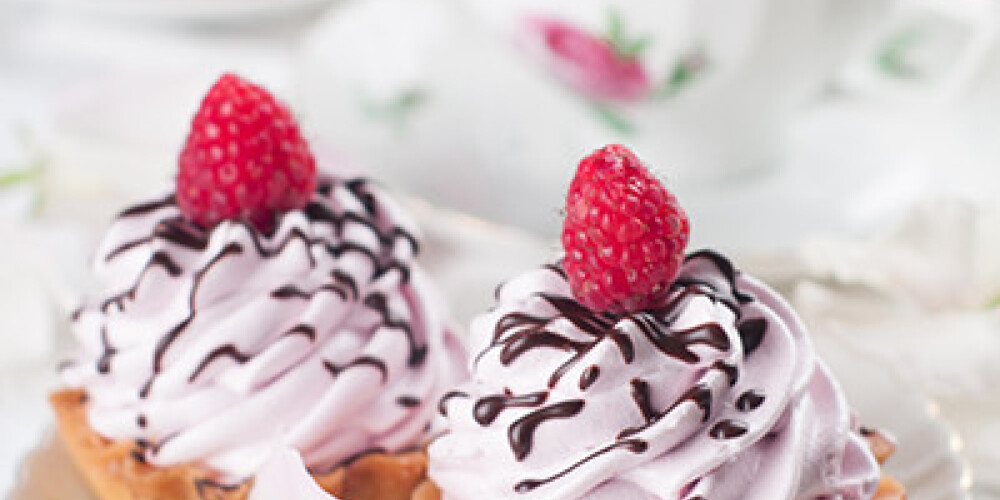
(717, 395)
(218, 347)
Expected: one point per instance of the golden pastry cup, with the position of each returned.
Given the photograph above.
(115, 470)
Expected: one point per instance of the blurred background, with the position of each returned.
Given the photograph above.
(844, 150)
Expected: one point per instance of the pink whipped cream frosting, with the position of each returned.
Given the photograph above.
(218, 347)
(717, 395)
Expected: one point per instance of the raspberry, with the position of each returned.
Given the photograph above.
(624, 234)
(244, 158)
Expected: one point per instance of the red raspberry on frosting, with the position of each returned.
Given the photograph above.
(624, 233)
(244, 158)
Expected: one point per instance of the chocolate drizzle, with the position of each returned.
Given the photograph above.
(346, 282)
(166, 340)
(749, 401)
(731, 371)
(589, 376)
(293, 292)
(488, 408)
(209, 489)
(107, 352)
(640, 393)
(174, 230)
(522, 431)
(448, 396)
(164, 260)
(752, 334)
(706, 275)
(727, 429)
(677, 344)
(225, 351)
(373, 362)
(378, 302)
(728, 271)
(180, 232)
(700, 395)
(307, 331)
(530, 332)
(631, 445)
(147, 207)
(408, 401)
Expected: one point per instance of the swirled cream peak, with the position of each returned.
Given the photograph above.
(218, 346)
(716, 395)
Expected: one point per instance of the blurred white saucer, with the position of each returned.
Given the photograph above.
(214, 12)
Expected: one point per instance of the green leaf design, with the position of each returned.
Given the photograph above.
(685, 71)
(398, 109)
(994, 303)
(613, 120)
(625, 47)
(616, 33)
(407, 102)
(31, 174)
(633, 49)
(16, 177)
(893, 58)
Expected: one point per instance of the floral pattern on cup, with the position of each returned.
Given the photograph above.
(606, 69)
(397, 110)
(602, 68)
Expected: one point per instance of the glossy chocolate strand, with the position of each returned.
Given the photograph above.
(225, 351)
(727, 429)
(589, 376)
(752, 334)
(163, 259)
(631, 445)
(522, 432)
(408, 401)
(147, 207)
(677, 344)
(182, 232)
(307, 331)
(725, 266)
(166, 340)
(448, 396)
(531, 333)
(294, 292)
(749, 401)
(209, 489)
(730, 370)
(107, 352)
(346, 281)
(370, 361)
(488, 408)
(379, 303)
(641, 396)
(700, 395)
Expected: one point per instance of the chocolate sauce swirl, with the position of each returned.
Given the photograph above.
(229, 314)
(522, 431)
(488, 408)
(680, 409)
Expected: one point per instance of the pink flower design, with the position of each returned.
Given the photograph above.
(592, 65)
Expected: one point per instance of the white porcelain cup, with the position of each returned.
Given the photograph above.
(487, 106)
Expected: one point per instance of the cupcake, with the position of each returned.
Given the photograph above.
(259, 309)
(629, 370)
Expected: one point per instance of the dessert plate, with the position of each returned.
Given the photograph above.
(927, 459)
(469, 257)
